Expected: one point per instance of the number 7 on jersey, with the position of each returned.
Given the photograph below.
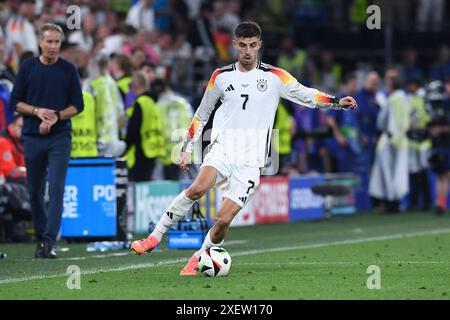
(245, 96)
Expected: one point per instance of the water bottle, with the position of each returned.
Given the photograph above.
(117, 245)
(90, 247)
(105, 246)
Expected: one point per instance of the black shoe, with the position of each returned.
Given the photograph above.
(50, 252)
(40, 250)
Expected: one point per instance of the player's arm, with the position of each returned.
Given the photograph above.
(201, 117)
(294, 91)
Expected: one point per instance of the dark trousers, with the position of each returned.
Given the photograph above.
(419, 188)
(47, 157)
(142, 170)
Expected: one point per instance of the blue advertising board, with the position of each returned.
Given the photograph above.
(189, 239)
(303, 204)
(90, 199)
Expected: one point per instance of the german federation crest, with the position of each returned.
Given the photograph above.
(262, 85)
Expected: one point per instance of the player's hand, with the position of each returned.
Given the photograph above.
(348, 102)
(184, 157)
(46, 114)
(45, 126)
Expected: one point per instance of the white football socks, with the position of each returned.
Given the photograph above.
(179, 207)
(207, 244)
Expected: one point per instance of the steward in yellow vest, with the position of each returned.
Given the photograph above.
(124, 86)
(144, 139)
(84, 130)
(109, 111)
(284, 124)
(121, 71)
(176, 114)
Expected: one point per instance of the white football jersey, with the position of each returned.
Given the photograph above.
(249, 100)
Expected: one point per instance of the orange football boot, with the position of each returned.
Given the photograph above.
(145, 245)
(191, 268)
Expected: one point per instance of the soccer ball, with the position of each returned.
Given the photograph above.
(215, 262)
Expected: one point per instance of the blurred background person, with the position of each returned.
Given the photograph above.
(110, 112)
(419, 148)
(291, 57)
(12, 162)
(144, 139)
(176, 114)
(15, 212)
(21, 33)
(438, 103)
(285, 124)
(84, 127)
(329, 72)
(389, 180)
(7, 78)
(367, 114)
(345, 146)
(142, 15)
(121, 68)
(440, 69)
(409, 66)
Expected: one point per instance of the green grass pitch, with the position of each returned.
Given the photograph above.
(306, 260)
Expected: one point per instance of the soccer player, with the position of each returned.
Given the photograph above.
(249, 91)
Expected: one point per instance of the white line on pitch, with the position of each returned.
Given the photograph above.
(349, 241)
(242, 253)
(121, 254)
(281, 264)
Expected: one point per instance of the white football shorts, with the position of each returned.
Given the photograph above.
(238, 181)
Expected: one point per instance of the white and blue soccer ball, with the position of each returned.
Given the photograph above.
(215, 262)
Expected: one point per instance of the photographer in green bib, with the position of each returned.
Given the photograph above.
(144, 138)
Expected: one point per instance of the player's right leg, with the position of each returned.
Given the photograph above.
(241, 188)
(215, 236)
(179, 207)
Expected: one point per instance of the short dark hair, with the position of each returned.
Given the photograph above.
(124, 63)
(147, 63)
(247, 29)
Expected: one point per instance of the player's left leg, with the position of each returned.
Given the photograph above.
(177, 209)
(215, 236)
(243, 183)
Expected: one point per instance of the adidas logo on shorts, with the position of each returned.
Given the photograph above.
(243, 199)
